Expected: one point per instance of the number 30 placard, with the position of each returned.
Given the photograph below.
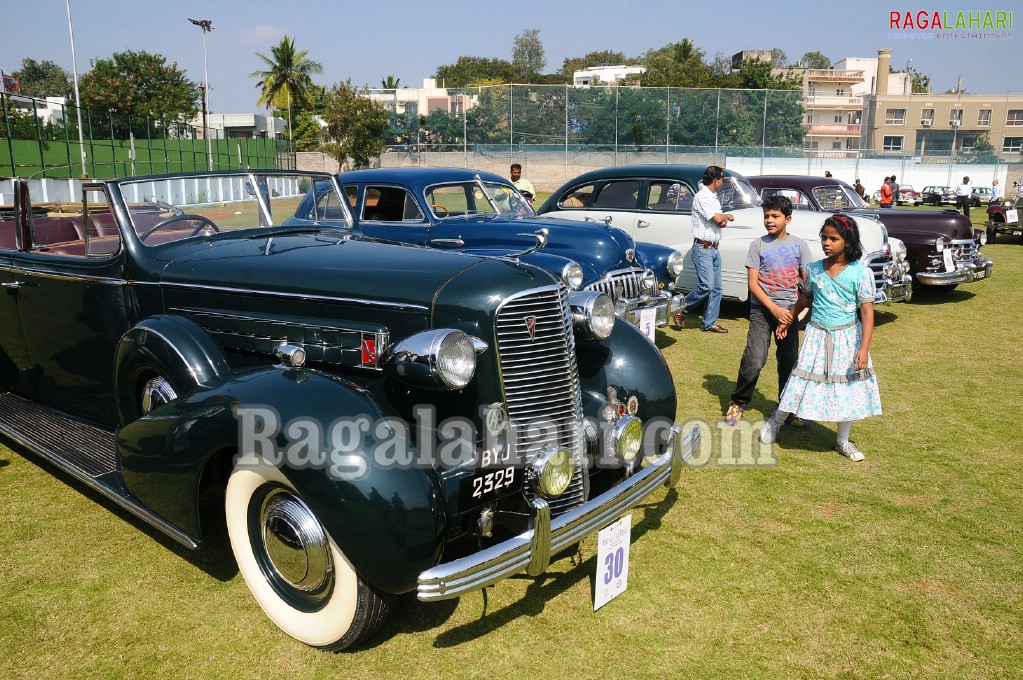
(612, 561)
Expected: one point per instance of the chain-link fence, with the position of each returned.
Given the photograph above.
(40, 138)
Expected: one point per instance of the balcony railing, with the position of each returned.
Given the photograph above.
(833, 129)
(831, 75)
(815, 102)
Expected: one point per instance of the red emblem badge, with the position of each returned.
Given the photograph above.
(531, 327)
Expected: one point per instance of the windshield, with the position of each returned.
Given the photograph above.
(168, 209)
(477, 198)
(838, 197)
(737, 193)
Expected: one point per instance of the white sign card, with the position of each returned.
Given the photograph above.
(1011, 216)
(612, 561)
(647, 322)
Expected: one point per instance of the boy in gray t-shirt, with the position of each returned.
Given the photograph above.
(775, 265)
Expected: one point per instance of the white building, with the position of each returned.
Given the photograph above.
(414, 101)
(604, 75)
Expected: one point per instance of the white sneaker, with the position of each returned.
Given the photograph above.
(849, 450)
(769, 432)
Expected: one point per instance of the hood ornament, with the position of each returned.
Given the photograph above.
(541, 240)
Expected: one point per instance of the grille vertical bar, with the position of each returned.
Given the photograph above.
(629, 281)
(541, 378)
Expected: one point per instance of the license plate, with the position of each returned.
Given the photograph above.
(981, 274)
(487, 484)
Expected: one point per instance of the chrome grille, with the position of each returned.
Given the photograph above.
(877, 266)
(541, 378)
(628, 281)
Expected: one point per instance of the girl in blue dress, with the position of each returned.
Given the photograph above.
(834, 378)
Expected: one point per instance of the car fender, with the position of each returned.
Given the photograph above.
(625, 365)
(655, 257)
(386, 514)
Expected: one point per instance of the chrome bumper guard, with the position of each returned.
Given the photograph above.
(664, 306)
(900, 291)
(532, 550)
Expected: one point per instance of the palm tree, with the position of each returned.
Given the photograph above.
(390, 83)
(288, 79)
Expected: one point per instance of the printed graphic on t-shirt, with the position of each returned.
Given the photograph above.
(779, 268)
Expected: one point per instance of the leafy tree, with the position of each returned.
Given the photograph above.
(921, 83)
(390, 83)
(758, 75)
(356, 125)
(816, 60)
(475, 71)
(41, 79)
(287, 83)
(307, 134)
(676, 65)
(778, 57)
(528, 58)
(443, 128)
(138, 85)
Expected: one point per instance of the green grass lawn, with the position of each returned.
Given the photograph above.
(905, 565)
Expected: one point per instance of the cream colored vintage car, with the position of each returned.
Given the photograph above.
(653, 203)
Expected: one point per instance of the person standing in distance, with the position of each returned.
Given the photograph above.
(964, 194)
(524, 186)
(997, 192)
(708, 219)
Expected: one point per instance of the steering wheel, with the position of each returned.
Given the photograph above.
(437, 207)
(203, 222)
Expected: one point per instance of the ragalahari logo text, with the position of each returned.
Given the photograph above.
(942, 25)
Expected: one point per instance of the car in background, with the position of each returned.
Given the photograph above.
(942, 248)
(938, 195)
(909, 196)
(376, 419)
(1003, 217)
(482, 213)
(980, 196)
(654, 202)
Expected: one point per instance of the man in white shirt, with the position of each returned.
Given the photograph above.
(997, 192)
(964, 194)
(708, 219)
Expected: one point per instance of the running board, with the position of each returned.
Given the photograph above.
(86, 452)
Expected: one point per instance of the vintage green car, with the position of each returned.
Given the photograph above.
(377, 418)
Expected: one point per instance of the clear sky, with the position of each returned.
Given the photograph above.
(368, 40)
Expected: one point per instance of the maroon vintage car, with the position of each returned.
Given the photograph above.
(1003, 217)
(942, 247)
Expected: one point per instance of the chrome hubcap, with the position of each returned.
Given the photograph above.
(296, 544)
(155, 393)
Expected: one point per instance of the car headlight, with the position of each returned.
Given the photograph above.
(593, 313)
(649, 280)
(572, 275)
(981, 236)
(939, 244)
(552, 470)
(675, 264)
(437, 359)
(625, 437)
(899, 251)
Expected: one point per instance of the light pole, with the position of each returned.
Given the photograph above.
(78, 99)
(206, 25)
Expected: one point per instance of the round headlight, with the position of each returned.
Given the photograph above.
(572, 275)
(649, 280)
(939, 244)
(626, 436)
(553, 469)
(675, 264)
(593, 313)
(981, 237)
(456, 359)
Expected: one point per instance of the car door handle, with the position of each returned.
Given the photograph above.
(13, 285)
(447, 242)
(642, 223)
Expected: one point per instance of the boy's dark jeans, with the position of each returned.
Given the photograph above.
(758, 341)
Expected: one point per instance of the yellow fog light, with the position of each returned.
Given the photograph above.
(625, 437)
(553, 469)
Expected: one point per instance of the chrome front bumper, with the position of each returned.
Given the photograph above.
(531, 551)
(966, 272)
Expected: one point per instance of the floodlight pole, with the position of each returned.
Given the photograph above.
(206, 25)
(78, 99)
